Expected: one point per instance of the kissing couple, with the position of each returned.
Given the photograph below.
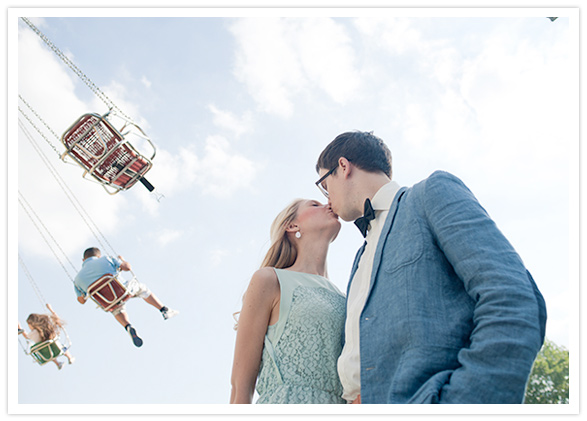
(439, 307)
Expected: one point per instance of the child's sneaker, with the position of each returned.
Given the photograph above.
(169, 313)
(59, 365)
(135, 338)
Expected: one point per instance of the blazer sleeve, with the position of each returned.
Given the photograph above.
(509, 314)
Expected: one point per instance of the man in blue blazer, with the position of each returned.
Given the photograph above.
(440, 308)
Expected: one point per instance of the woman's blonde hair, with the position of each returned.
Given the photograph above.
(48, 326)
(282, 252)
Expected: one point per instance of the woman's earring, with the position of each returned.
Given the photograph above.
(298, 235)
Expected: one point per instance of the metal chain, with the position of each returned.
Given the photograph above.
(23, 347)
(43, 235)
(32, 281)
(38, 130)
(38, 116)
(97, 91)
(93, 227)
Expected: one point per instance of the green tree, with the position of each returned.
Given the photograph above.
(549, 379)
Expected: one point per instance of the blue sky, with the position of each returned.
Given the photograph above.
(239, 108)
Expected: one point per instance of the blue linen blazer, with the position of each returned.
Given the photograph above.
(452, 314)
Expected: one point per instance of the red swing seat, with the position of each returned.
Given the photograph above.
(108, 292)
(98, 147)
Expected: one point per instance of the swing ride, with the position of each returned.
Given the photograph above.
(108, 292)
(44, 351)
(98, 147)
(101, 145)
(104, 151)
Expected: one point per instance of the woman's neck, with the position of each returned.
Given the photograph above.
(311, 257)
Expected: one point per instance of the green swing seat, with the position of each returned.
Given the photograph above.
(46, 351)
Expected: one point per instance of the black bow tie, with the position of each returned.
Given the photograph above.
(368, 215)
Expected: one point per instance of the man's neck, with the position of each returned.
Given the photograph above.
(369, 184)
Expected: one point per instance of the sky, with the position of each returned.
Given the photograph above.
(239, 105)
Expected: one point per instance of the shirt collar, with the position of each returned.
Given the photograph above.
(384, 196)
(89, 258)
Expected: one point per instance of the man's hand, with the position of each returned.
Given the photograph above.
(124, 265)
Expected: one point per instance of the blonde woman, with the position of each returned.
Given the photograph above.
(289, 331)
(44, 327)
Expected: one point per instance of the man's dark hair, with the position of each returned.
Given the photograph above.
(92, 251)
(363, 149)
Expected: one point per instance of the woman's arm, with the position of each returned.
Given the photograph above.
(55, 318)
(261, 299)
(51, 310)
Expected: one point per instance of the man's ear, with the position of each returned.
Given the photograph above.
(345, 166)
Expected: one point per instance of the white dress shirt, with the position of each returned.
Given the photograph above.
(349, 362)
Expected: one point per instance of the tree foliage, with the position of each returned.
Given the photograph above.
(549, 378)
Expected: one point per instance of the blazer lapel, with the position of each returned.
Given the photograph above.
(355, 266)
(383, 237)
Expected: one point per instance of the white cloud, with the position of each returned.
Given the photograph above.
(516, 103)
(146, 82)
(327, 57)
(445, 64)
(280, 58)
(44, 89)
(493, 105)
(222, 171)
(397, 35)
(217, 256)
(170, 174)
(227, 120)
(416, 126)
(267, 64)
(218, 170)
(167, 236)
(117, 94)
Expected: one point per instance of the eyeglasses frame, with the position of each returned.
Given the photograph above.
(319, 182)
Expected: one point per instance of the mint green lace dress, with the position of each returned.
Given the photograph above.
(301, 350)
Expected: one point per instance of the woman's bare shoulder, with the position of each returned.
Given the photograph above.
(265, 276)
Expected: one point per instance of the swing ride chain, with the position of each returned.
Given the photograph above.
(36, 128)
(68, 192)
(95, 89)
(48, 233)
(32, 281)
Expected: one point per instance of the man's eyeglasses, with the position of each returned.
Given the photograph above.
(319, 182)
